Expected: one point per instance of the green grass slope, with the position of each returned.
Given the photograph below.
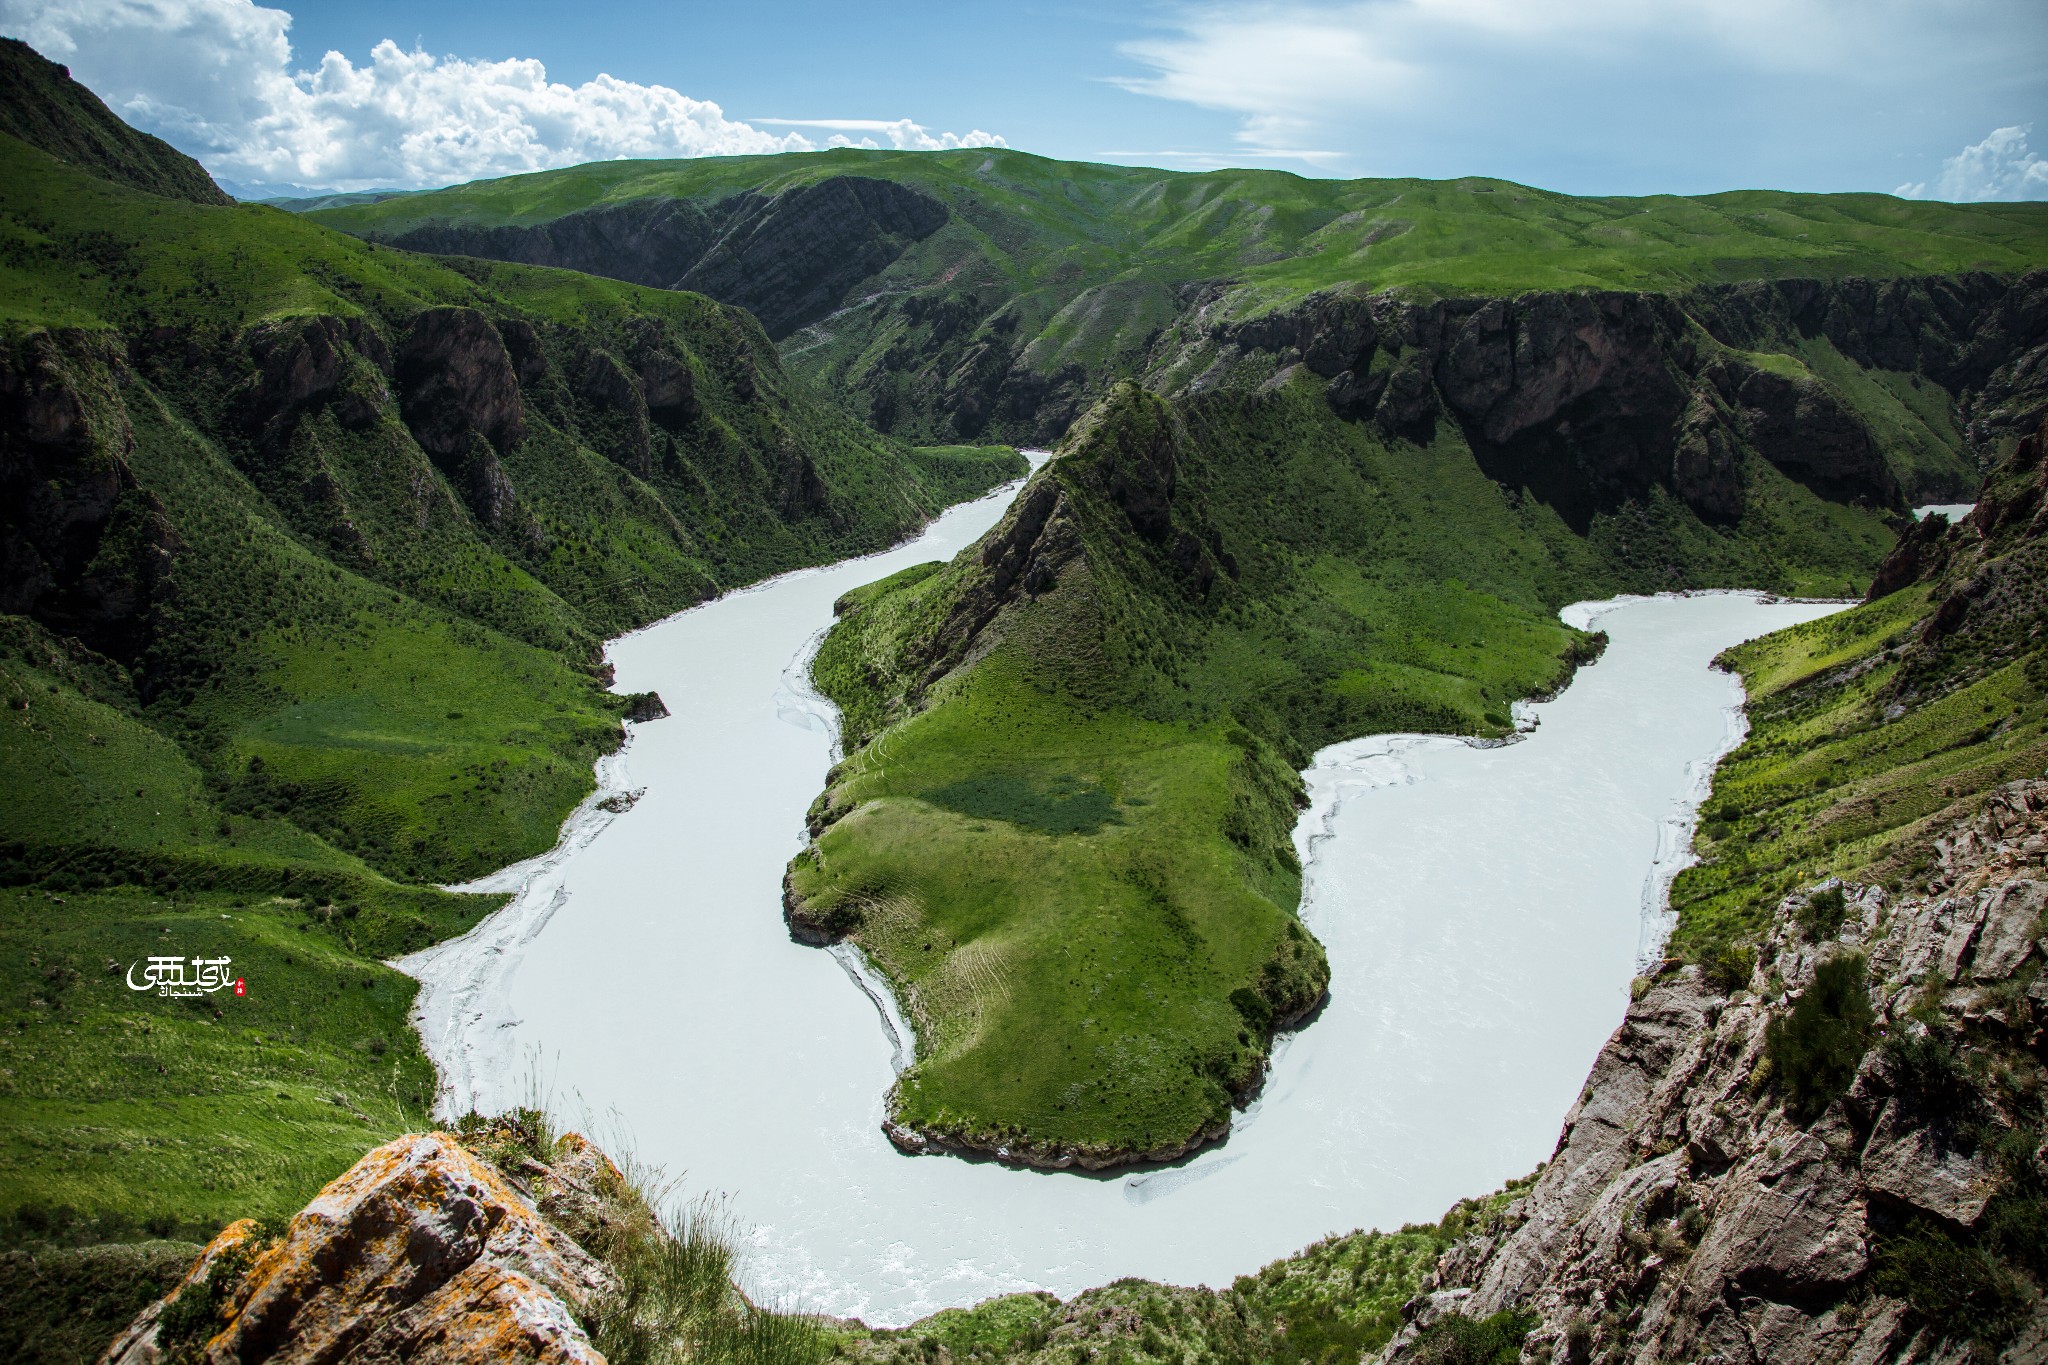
(1033, 221)
(408, 673)
(310, 547)
(44, 107)
(1063, 827)
(1874, 728)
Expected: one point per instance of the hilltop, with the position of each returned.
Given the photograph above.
(994, 292)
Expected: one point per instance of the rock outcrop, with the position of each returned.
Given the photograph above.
(83, 548)
(789, 258)
(1688, 1215)
(420, 1252)
(1590, 399)
(460, 396)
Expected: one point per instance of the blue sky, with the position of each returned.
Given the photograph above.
(1590, 96)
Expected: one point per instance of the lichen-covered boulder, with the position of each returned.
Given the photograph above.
(420, 1252)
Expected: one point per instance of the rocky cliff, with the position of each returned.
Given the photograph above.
(1691, 1212)
(1589, 400)
(789, 258)
(1824, 1141)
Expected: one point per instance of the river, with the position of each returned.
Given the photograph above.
(1484, 910)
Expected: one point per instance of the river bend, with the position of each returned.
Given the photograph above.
(1484, 911)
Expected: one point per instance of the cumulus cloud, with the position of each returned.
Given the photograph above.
(217, 78)
(901, 134)
(1619, 87)
(1999, 167)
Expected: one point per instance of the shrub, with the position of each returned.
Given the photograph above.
(194, 1315)
(1253, 1007)
(1960, 1291)
(1931, 1080)
(2016, 1221)
(1728, 966)
(1815, 1048)
(1458, 1340)
(1821, 917)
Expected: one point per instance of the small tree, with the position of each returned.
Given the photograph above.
(1814, 1050)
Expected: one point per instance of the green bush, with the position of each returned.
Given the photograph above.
(1459, 1340)
(1821, 917)
(195, 1314)
(1728, 966)
(1931, 1081)
(2016, 1220)
(1814, 1050)
(1960, 1291)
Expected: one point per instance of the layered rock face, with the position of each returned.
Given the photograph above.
(1592, 399)
(83, 548)
(420, 1252)
(789, 258)
(1687, 1215)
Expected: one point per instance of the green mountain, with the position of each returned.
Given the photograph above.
(309, 549)
(1095, 719)
(1756, 1161)
(993, 292)
(1333, 454)
(42, 106)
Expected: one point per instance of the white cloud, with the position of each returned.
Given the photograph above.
(216, 77)
(1392, 85)
(902, 134)
(1999, 167)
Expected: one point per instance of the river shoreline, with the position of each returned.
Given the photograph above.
(1482, 914)
(463, 1012)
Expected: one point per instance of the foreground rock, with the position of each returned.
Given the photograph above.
(420, 1252)
(1687, 1215)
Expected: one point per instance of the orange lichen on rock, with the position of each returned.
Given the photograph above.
(420, 1252)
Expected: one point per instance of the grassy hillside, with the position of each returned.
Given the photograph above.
(995, 293)
(1872, 728)
(1029, 221)
(41, 105)
(310, 549)
(1063, 828)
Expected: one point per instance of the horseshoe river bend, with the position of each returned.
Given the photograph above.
(1484, 911)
